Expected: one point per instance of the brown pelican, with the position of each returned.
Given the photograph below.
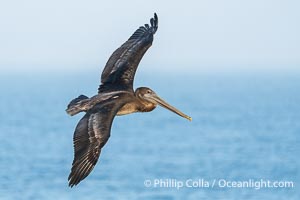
(115, 97)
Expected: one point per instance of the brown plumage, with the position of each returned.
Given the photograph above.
(115, 97)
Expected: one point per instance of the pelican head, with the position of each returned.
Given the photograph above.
(150, 99)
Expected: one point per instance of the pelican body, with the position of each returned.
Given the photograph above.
(115, 97)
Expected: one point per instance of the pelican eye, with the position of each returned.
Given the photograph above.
(148, 91)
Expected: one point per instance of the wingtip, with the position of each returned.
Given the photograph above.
(154, 22)
(155, 19)
(146, 29)
(72, 182)
(71, 185)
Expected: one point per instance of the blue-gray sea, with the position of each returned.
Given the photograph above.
(245, 127)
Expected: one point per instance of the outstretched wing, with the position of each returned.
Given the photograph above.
(121, 67)
(91, 134)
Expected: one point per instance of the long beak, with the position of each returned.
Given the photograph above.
(164, 104)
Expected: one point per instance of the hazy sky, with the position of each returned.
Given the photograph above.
(192, 34)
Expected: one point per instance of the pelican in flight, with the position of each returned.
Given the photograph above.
(115, 97)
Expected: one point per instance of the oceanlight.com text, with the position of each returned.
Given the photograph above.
(217, 183)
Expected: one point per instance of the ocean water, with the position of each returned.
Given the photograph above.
(245, 127)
